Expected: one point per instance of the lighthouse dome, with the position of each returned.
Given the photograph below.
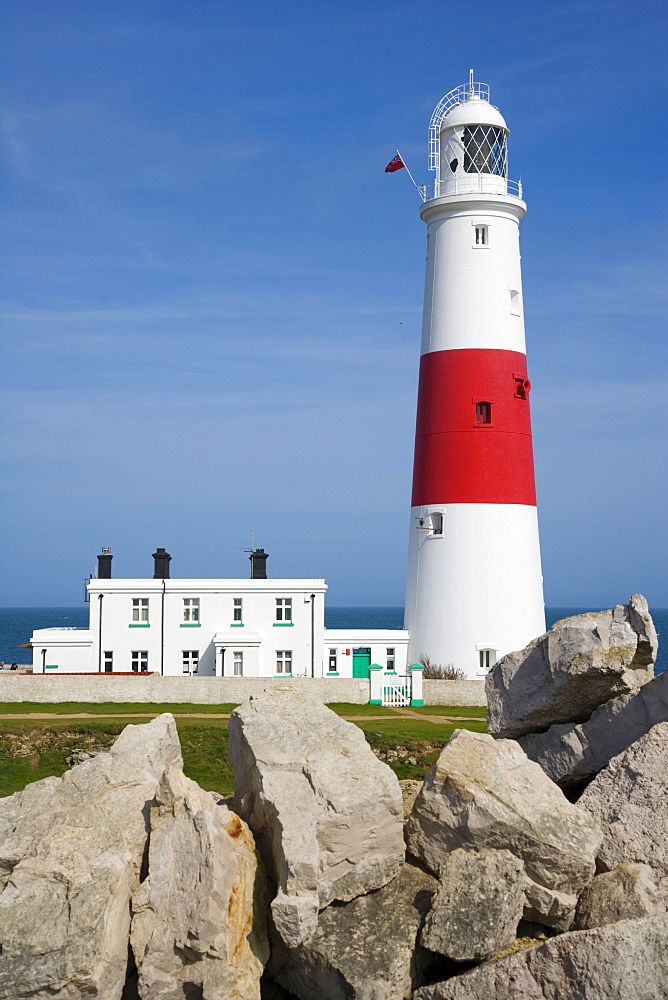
(473, 112)
(467, 144)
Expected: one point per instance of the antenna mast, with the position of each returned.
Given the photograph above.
(252, 543)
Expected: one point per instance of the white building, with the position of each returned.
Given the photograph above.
(250, 628)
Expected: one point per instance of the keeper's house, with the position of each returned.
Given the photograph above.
(243, 628)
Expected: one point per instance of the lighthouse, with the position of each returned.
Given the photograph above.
(474, 584)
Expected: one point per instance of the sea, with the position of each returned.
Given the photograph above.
(18, 624)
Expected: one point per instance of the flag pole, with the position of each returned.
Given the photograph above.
(420, 188)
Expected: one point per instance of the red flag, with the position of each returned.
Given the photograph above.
(396, 164)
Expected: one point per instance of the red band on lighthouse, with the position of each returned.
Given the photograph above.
(473, 434)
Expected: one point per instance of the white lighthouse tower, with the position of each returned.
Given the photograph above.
(474, 587)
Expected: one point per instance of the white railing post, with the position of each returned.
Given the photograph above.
(376, 684)
(416, 684)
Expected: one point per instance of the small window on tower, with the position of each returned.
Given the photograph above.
(486, 660)
(483, 413)
(481, 236)
(515, 305)
(436, 519)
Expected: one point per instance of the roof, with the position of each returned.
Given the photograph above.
(474, 112)
(174, 585)
(354, 635)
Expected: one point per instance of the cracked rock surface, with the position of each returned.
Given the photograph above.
(629, 801)
(627, 892)
(562, 676)
(326, 813)
(478, 905)
(199, 918)
(486, 793)
(366, 949)
(71, 857)
(574, 753)
(627, 960)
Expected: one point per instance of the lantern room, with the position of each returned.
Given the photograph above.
(468, 144)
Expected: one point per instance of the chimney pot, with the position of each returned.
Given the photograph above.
(104, 564)
(162, 560)
(258, 560)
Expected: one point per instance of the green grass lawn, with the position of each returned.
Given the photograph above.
(418, 729)
(110, 708)
(343, 708)
(465, 711)
(203, 743)
(415, 742)
(155, 708)
(31, 749)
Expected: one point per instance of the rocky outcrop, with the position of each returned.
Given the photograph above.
(366, 949)
(627, 892)
(625, 960)
(478, 905)
(485, 793)
(571, 754)
(579, 664)
(629, 801)
(72, 852)
(126, 852)
(24, 818)
(199, 918)
(326, 813)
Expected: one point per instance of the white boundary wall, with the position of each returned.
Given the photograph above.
(454, 693)
(211, 690)
(173, 690)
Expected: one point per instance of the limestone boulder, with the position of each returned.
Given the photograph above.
(478, 905)
(326, 813)
(486, 793)
(366, 949)
(571, 754)
(72, 856)
(629, 801)
(625, 960)
(627, 892)
(562, 676)
(24, 818)
(199, 918)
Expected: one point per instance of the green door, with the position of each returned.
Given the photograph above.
(361, 661)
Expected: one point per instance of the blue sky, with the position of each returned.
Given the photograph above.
(212, 293)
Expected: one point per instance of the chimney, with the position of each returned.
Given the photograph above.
(162, 560)
(258, 560)
(104, 565)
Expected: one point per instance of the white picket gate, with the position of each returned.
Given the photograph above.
(396, 691)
